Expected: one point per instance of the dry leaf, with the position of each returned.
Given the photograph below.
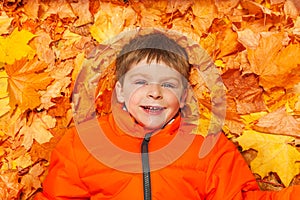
(274, 154)
(8, 52)
(81, 10)
(110, 21)
(42, 43)
(5, 23)
(25, 80)
(292, 8)
(60, 7)
(38, 130)
(9, 186)
(278, 122)
(4, 98)
(31, 8)
(244, 91)
(205, 12)
(248, 38)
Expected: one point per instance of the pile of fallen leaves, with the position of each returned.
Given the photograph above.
(254, 44)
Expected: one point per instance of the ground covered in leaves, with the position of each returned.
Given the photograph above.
(254, 44)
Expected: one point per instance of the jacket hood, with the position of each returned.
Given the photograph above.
(205, 107)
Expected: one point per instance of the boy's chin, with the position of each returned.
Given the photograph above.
(152, 127)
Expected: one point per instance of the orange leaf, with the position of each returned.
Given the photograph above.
(38, 130)
(25, 80)
(245, 91)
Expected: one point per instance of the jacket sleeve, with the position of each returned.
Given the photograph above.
(63, 179)
(231, 179)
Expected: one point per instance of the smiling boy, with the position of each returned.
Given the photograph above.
(157, 157)
(153, 93)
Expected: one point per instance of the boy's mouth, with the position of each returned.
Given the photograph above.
(153, 109)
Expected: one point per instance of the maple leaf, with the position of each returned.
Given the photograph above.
(110, 21)
(25, 80)
(276, 65)
(205, 12)
(278, 122)
(8, 51)
(38, 130)
(274, 154)
(244, 91)
(53, 91)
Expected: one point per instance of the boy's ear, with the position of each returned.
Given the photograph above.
(119, 92)
(183, 98)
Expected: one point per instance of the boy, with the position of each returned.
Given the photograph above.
(145, 149)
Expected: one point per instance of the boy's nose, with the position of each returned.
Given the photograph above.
(154, 91)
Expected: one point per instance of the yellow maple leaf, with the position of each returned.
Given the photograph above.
(274, 154)
(15, 46)
(25, 80)
(38, 130)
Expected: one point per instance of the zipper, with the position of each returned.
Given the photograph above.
(146, 167)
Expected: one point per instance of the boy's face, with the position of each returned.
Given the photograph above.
(152, 93)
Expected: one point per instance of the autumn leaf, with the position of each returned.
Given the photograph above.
(42, 43)
(38, 130)
(8, 51)
(31, 8)
(25, 80)
(81, 10)
(31, 181)
(275, 154)
(276, 65)
(248, 38)
(205, 12)
(5, 22)
(61, 8)
(262, 58)
(110, 21)
(244, 91)
(4, 98)
(9, 185)
(278, 122)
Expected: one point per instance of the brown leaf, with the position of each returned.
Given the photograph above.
(245, 91)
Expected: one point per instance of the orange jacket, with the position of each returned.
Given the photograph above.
(222, 175)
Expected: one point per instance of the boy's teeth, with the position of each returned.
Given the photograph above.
(152, 108)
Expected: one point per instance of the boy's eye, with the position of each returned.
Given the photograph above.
(168, 85)
(140, 82)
